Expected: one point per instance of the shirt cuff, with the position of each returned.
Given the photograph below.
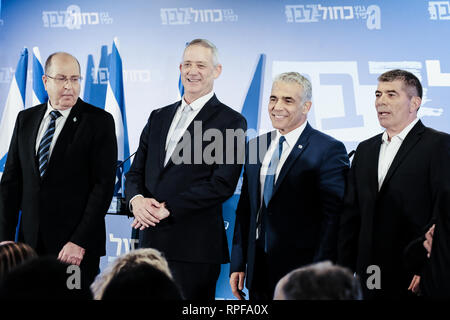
(129, 203)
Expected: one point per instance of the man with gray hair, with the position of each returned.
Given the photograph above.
(176, 204)
(291, 195)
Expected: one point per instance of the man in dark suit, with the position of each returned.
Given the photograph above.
(60, 172)
(288, 212)
(395, 186)
(178, 181)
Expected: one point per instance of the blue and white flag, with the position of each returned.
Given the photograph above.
(251, 111)
(115, 104)
(180, 88)
(14, 104)
(39, 93)
(180, 83)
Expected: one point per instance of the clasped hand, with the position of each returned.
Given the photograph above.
(148, 212)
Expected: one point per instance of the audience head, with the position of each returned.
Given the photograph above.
(147, 256)
(141, 282)
(43, 278)
(320, 281)
(13, 254)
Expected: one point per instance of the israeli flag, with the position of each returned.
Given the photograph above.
(180, 88)
(39, 94)
(180, 84)
(14, 104)
(115, 104)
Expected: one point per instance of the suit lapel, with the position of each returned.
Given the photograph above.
(208, 110)
(34, 129)
(66, 135)
(410, 140)
(297, 150)
(164, 130)
(373, 156)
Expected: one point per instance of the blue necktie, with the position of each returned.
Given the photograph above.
(271, 171)
(46, 141)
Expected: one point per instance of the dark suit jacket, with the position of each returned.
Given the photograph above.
(434, 271)
(193, 192)
(303, 213)
(70, 201)
(377, 226)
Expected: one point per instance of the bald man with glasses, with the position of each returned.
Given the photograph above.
(60, 172)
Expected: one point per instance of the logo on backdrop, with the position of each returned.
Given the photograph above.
(72, 18)
(6, 74)
(101, 75)
(308, 13)
(338, 84)
(182, 16)
(123, 245)
(439, 10)
(1, 20)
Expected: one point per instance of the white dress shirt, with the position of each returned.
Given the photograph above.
(59, 124)
(288, 144)
(389, 149)
(196, 106)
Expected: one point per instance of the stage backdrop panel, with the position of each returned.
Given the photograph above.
(341, 46)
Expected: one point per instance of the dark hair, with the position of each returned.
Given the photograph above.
(141, 282)
(409, 80)
(13, 254)
(44, 278)
(48, 62)
(322, 281)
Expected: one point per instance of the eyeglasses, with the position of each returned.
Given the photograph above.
(63, 79)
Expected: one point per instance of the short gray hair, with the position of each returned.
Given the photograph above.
(299, 79)
(206, 44)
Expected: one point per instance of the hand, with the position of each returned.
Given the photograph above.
(429, 240)
(237, 284)
(414, 286)
(143, 211)
(71, 253)
(156, 212)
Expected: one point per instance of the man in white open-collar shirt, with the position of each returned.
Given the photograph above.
(398, 183)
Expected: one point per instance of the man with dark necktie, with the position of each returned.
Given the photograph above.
(60, 172)
(291, 197)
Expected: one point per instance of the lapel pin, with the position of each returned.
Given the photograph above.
(75, 119)
(300, 146)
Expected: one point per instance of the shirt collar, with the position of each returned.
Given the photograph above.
(65, 113)
(292, 137)
(402, 135)
(198, 103)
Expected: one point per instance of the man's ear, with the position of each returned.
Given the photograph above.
(306, 107)
(44, 80)
(415, 104)
(217, 71)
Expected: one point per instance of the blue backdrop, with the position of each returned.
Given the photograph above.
(341, 46)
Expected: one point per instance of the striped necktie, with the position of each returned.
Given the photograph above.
(46, 141)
